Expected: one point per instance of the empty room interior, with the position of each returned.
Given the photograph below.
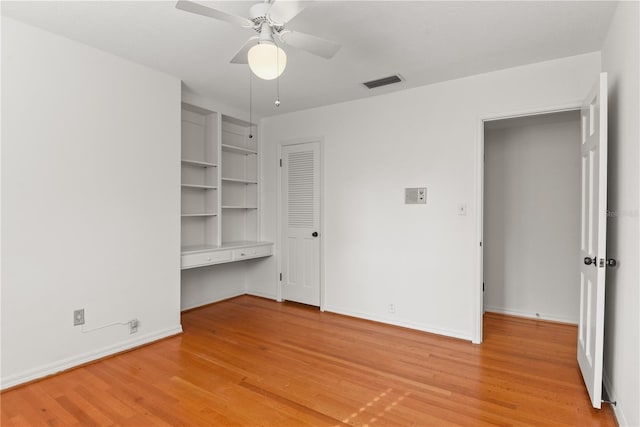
(320, 213)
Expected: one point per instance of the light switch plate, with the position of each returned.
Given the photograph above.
(462, 209)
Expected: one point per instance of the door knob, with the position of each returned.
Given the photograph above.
(611, 262)
(590, 261)
(314, 234)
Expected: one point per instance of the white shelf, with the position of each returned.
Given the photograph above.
(198, 163)
(197, 248)
(199, 214)
(192, 249)
(239, 207)
(241, 181)
(237, 150)
(204, 187)
(243, 244)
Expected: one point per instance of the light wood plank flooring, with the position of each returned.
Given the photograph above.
(255, 362)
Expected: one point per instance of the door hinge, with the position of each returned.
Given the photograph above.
(280, 162)
(281, 277)
(480, 244)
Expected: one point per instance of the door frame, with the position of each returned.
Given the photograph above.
(279, 214)
(478, 293)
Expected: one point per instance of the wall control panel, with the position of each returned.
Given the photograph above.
(415, 196)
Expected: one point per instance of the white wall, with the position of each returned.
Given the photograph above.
(622, 322)
(531, 202)
(422, 258)
(204, 285)
(90, 202)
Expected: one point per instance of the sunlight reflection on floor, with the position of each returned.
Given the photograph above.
(371, 405)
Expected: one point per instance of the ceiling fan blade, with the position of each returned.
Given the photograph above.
(241, 56)
(194, 7)
(284, 11)
(311, 44)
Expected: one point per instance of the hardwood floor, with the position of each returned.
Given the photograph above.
(255, 362)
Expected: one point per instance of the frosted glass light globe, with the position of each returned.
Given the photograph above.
(267, 60)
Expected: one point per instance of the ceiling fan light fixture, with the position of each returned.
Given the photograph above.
(266, 60)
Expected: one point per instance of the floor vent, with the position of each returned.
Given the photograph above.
(383, 81)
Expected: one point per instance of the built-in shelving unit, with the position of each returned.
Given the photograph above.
(200, 195)
(239, 181)
(220, 189)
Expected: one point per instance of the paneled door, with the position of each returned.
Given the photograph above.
(300, 222)
(593, 262)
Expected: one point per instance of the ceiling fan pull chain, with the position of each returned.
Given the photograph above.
(250, 106)
(278, 76)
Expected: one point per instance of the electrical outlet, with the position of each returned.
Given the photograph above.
(133, 326)
(78, 317)
(392, 308)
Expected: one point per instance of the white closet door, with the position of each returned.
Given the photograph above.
(300, 195)
(593, 151)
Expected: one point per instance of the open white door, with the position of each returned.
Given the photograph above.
(593, 244)
(300, 223)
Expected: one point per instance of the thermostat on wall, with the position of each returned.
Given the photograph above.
(415, 196)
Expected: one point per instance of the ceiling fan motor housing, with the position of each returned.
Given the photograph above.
(259, 15)
(258, 12)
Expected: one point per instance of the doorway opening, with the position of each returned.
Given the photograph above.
(592, 225)
(531, 232)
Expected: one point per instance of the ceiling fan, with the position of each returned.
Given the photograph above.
(269, 19)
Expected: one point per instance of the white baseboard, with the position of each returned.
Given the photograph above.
(261, 294)
(218, 298)
(617, 409)
(71, 362)
(399, 322)
(541, 316)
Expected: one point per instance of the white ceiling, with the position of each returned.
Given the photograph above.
(424, 41)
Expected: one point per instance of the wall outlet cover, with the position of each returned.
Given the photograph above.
(133, 326)
(78, 317)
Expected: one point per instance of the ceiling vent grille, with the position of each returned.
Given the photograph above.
(383, 81)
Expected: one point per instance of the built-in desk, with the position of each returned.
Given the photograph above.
(202, 255)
